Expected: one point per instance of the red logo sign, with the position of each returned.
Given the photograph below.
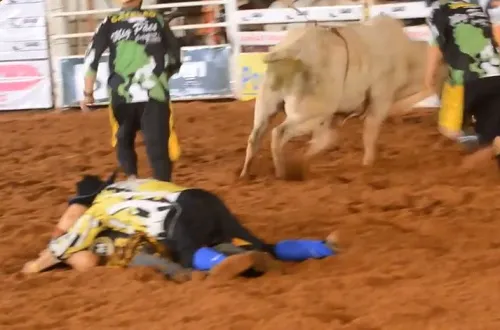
(15, 77)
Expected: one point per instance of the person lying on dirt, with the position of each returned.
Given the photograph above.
(174, 229)
(462, 37)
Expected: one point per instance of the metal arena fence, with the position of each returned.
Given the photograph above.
(39, 71)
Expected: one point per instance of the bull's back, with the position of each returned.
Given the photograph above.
(390, 51)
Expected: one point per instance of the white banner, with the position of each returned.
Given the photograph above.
(403, 10)
(289, 15)
(266, 38)
(22, 30)
(25, 85)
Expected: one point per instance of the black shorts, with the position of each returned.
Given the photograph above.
(204, 220)
(482, 100)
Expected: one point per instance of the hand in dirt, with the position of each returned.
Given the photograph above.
(332, 240)
(85, 102)
(31, 267)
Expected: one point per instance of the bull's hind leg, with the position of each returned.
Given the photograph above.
(277, 143)
(267, 105)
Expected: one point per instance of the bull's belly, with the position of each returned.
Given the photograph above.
(352, 103)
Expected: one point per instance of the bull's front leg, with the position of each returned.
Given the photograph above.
(373, 122)
(323, 138)
(266, 107)
(277, 149)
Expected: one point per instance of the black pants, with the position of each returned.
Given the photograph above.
(152, 118)
(205, 221)
(482, 100)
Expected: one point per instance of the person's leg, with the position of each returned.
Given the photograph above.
(231, 229)
(160, 144)
(451, 113)
(170, 269)
(483, 101)
(124, 127)
(196, 230)
(194, 255)
(83, 261)
(234, 238)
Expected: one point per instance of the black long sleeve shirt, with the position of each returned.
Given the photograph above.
(142, 50)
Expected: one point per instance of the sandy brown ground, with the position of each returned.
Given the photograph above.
(421, 242)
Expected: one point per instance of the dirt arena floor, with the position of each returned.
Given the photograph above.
(420, 240)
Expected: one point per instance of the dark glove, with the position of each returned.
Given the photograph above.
(172, 68)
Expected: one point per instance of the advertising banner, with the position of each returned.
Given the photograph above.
(22, 30)
(252, 69)
(25, 85)
(25, 79)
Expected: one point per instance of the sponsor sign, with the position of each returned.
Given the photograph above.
(252, 69)
(25, 85)
(23, 30)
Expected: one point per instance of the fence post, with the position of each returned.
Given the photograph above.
(232, 32)
(367, 5)
(57, 48)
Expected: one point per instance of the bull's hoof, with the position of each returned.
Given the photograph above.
(368, 162)
(295, 171)
(332, 240)
(242, 173)
(279, 174)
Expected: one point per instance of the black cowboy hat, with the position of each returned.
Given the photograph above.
(89, 187)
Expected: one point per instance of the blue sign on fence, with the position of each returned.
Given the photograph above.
(204, 74)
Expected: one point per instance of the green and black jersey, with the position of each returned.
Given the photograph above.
(141, 47)
(463, 32)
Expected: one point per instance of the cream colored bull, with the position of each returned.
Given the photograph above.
(319, 72)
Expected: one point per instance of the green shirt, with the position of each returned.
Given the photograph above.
(464, 34)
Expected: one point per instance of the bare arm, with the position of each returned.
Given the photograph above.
(434, 58)
(68, 219)
(434, 55)
(46, 259)
(67, 247)
(496, 33)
